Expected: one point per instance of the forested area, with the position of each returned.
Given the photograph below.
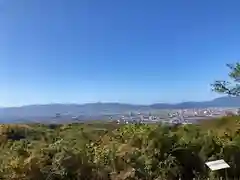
(109, 151)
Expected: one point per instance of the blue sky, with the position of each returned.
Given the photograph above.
(115, 51)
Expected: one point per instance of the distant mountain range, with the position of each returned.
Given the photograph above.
(99, 109)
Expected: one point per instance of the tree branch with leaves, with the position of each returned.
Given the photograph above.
(226, 87)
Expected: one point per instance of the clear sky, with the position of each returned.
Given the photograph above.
(134, 51)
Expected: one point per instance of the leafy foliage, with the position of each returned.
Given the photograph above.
(229, 88)
(118, 152)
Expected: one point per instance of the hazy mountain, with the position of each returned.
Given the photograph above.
(96, 109)
(218, 102)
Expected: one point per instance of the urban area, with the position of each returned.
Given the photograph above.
(182, 116)
(185, 116)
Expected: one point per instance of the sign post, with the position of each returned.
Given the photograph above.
(218, 165)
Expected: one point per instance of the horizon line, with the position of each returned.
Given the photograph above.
(107, 102)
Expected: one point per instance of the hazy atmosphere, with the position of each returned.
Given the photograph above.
(138, 52)
(119, 90)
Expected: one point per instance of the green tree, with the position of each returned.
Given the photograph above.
(226, 87)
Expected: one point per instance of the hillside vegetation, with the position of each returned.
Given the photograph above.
(109, 151)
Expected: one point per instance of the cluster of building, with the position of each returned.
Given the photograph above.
(185, 116)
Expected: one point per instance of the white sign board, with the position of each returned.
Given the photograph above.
(217, 165)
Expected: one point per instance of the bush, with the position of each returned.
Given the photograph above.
(106, 151)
